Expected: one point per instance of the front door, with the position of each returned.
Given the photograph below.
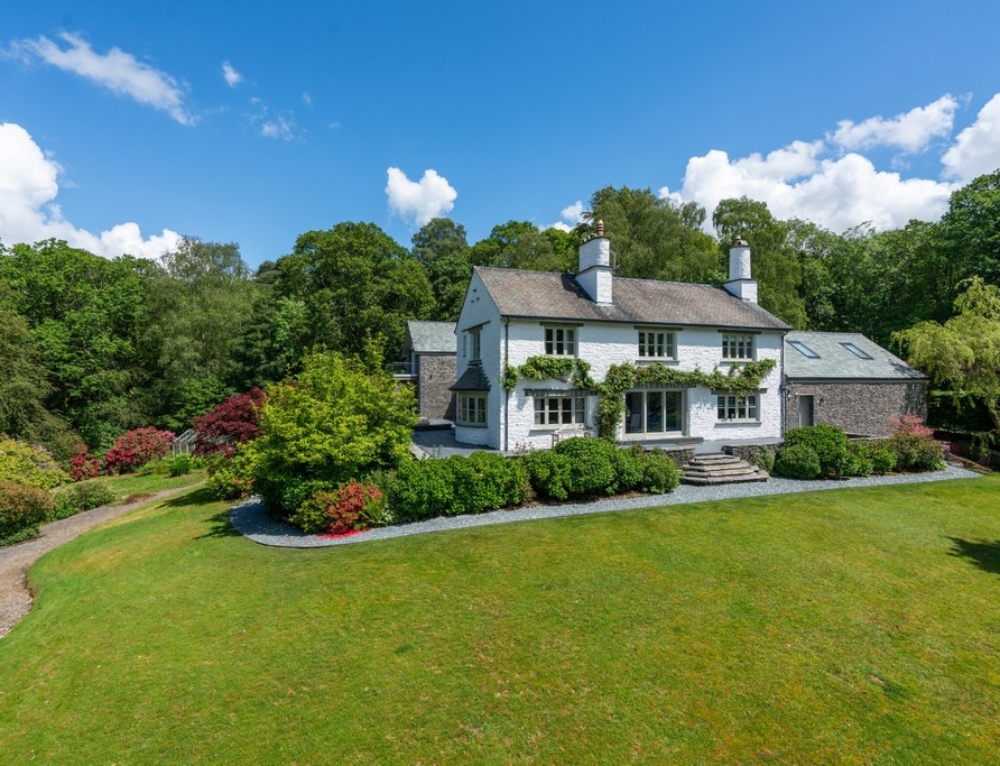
(806, 412)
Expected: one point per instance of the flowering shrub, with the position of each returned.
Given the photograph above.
(136, 448)
(350, 507)
(83, 465)
(230, 423)
(910, 424)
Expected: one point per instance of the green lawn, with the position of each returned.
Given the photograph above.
(855, 626)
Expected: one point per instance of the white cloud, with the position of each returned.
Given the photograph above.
(306, 98)
(570, 216)
(911, 132)
(230, 75)
(28, 211)
(278, 127)
(977, 149)
(429, 198)
(116, 70)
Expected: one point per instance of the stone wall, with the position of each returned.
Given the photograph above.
(857, 408)
(436, 376)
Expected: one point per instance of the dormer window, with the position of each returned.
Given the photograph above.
(473, 346)
(560, 341)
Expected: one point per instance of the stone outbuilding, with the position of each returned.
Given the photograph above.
(429, 350)
(848, 381)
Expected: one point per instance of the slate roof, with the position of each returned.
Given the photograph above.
(548, 295)
(432, 337)
(473, 379)
(835, 362)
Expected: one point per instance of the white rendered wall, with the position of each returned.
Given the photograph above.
(479, 310)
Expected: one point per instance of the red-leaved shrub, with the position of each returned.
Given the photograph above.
(910, 424)
(136, 448)
(83, 465)
(345, 509)
(230, 423)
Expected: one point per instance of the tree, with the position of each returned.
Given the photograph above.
(655, 238)
(970, 231)
(442, 248)
(357, 284)
(522, 245)
(775, 264)
(340, 419)
(963, 354)
(235, 421)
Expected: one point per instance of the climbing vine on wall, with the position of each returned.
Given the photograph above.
(622, 377)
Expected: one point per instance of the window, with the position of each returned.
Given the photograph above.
(734, 408)
(474, 345)
(656, 344)
(653, 412)
(559, 410)
(737, 347)
(803, 349)
(471, 409)
(856, 351)
(560, 341)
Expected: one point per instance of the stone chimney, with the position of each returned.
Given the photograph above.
(740, 283)
(594, 274)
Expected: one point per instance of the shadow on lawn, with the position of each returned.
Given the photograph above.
(198, 497)
(984, 555)
(221, 526)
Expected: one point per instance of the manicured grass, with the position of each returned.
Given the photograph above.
(858, 626)
(134, 484)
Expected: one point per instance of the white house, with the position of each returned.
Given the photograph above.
(516, 322)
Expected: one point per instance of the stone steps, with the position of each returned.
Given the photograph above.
(720, 469)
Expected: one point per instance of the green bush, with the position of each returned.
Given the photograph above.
(827, 442)
(82, 497)
(797, 461)
(182, 464)
(591, 471)
(422, 489)
(859, 461)
(762, 456)
(22, 508)
(231, 478)
(349, 507)
(457, 485)
(284, 497)
(32, 466)
(915, 453)
(628, 469)
(883, 459)
(660, 473)
(548, 473)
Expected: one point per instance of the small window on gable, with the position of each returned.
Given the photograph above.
(737, 348)
(856, 351)
(474, 345)
(803, 349)
(560, 341)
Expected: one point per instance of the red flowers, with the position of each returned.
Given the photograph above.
(136, 448)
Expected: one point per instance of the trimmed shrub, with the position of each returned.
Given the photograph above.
(762, 456)
(548, 473)
(338, 511)
(797, 461)
(181, 464)
(31, 466)
(915, 453)
(486, 481)
(422, 489)
(285, 497)
(628, 469)
(82, 497)
(83, 465)
(660, 473)
(827, 442)
(883, 459)
(22, 508)
(136, 448)
(591, 471)
(859, 461)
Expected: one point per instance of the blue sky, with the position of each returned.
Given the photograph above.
(123, 126)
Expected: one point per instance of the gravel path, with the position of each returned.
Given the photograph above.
(251, 519)
(16, 560)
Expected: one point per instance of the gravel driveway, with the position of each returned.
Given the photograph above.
(16, 560)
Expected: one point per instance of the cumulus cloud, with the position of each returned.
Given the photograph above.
(570, 216)
(28, 212)
(911, 132)
(230, 75)
(977, 148)
(118, 71)
(822, 182)
(430, 197)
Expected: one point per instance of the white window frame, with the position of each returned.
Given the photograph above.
(739, 347)
(471, 409)
(475, 345)
(644, 395)
(555, 411)
(560, 341)
(738, 408)
(657, 344)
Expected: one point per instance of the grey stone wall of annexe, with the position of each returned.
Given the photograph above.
(857, 408)
(437, 374)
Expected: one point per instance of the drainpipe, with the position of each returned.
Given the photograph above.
(506, 393)
(783, 388)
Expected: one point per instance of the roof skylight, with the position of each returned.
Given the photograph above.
(803, 349)
(856, 351)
